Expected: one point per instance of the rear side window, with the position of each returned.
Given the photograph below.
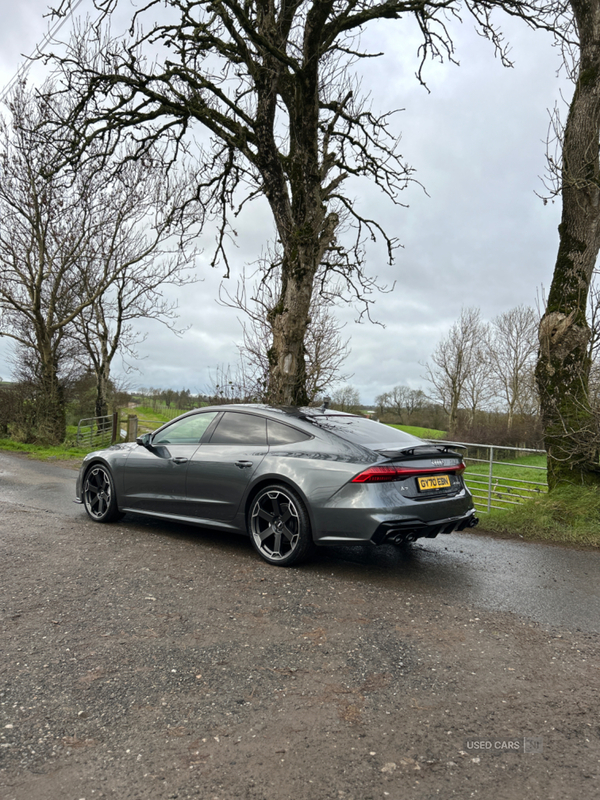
(242, 429)
(283, 434)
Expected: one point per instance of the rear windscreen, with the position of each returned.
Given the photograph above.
(366, 432)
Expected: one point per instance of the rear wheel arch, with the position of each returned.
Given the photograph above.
(278, 523)
(269, 481)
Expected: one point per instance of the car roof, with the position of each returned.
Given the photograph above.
(295, 412)
(307, 418)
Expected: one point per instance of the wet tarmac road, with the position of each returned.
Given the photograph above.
(551, 585)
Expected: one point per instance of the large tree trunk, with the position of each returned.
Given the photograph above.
(455, 391)
(51, 424)
(289, 319)
(453, 415)
(102, 379)
(510, 417)
(102, 370)
(563, 366)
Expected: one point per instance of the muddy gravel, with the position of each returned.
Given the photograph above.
(151, 661)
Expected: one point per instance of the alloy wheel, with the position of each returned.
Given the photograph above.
(275, 525)
(97, 493)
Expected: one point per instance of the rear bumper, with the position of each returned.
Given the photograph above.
(409, 530)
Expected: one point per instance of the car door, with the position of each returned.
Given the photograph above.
(154, 476)
(221, 468)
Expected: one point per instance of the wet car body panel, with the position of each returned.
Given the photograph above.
(381, 504)
(218, 477)
(155, 479)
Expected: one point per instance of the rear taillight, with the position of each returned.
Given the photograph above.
(385, 473)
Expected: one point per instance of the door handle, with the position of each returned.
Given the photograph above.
(242, 464)
(179, 460)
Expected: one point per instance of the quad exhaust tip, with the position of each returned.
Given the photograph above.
(424, 531)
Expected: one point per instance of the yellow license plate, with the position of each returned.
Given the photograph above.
(435, 482)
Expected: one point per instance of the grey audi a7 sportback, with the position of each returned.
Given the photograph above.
(290, 478)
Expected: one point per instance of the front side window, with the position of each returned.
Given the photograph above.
(186, 431)
(241, 429)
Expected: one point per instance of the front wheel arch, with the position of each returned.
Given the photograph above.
(98, 493)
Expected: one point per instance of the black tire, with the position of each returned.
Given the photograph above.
(99, 496)
(279, 526)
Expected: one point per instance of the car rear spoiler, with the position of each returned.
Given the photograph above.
(422, 451)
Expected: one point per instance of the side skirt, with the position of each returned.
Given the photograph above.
(197, 521)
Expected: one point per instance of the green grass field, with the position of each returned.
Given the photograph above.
(150, 419)
(148, 413)
(422, 433)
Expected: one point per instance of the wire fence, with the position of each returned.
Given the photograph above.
(500, 477)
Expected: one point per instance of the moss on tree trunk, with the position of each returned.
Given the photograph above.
(562, 372)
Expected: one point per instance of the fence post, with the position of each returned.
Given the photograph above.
(489, 508)
(114, 436)
(132, 427)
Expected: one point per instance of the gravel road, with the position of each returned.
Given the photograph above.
(151, 661)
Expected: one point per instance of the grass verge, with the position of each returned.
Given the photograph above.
(569, 515)
(65, 452)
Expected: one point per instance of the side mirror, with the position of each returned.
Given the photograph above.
(144, 440)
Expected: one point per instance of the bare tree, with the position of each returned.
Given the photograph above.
(50, 220)
(382, 403)
(594, 344)
(143, 264)
(401, 401)
(272, 84)
(594, 386)
(594, 317)
(512, 352)
(62, 243)
(325, 348)
(455, 360)
(230, 383)
(346, 398)
(416, 399)
(479, 387)
(396, 401)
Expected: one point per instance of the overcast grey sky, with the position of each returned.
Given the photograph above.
(479, 237)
